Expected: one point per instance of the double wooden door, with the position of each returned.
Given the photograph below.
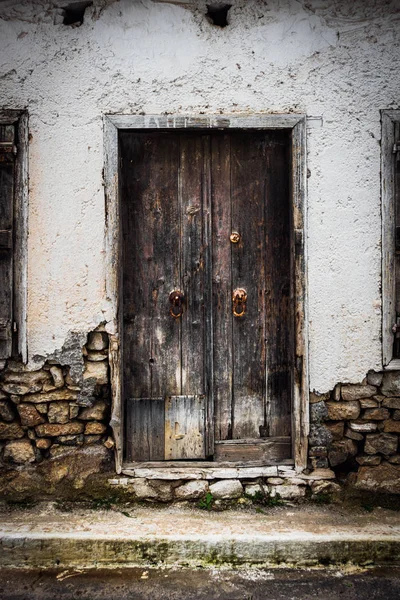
(207, 310)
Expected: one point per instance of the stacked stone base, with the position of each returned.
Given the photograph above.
(355, 431)
(258, 483)
(54, 423)
(55, 440)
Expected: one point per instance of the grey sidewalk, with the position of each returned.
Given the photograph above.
(47, 537)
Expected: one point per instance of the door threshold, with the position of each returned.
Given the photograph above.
(205, 464)
(208, 470)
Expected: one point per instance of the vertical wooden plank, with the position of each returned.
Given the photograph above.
(7, 174)
(208, 298)
(192, 263)
(184, 427)
(151, 234)
(20, 250)
(279, 305)
(300, 419)
(222, 283)
(145, 429)
(396, 241)
(388, 237)
(248, 272)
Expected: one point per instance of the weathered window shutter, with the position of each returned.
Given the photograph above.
(7, 176)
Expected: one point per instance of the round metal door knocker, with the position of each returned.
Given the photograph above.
(239, 299)
(176, 299)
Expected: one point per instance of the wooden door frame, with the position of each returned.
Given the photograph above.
(297, 124)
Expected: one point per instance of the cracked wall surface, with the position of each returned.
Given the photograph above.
(336, 60)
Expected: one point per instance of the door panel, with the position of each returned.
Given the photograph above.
(208, 371)
(248, 272)
(184, 427)
(222, 283)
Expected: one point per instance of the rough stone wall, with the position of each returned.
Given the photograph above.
(355, 431)
(54, 427)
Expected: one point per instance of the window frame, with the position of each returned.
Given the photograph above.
(19, 119)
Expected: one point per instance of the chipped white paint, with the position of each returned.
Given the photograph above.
(334, 61)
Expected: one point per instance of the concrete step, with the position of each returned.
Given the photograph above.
(46, 536)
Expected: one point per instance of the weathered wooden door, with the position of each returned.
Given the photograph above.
(207, 311)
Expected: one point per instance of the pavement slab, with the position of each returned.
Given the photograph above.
(48, 536)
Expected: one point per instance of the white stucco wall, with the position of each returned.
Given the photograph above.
(339, 60)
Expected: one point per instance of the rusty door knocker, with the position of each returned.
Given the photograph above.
(239, 299)
(176, 299)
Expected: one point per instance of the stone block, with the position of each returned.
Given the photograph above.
(369, 459)
(92, 439)
(97, 340)
(143, 490)
(288, 492)
(29, 381)
(336, 428)
(95, 428)
(318, 451)
(96, 356)
(394, 459)
(369, 403)
(58, 412)
(253, 490)
(316, 397)
(319, 435)
(319, 474)
(7, 412)
(29, 415)
(375, 414)
(55, 429)
(374, 378)
(42, 408)
(73, 411)
(227, 489)
(75, 464)
(173, 474)
(336, 393)
(318, 412)
(43, 443)
(391, 403)
(10, 431)
(343, 411)
(353, 435)
(97, 412)
(319, 462)
(57, 375)
(192, 490)
(59, 395)
(275, 480)
(109, 443)
(391, 426)
(360, 427)
(19, 452)
(340, 451)
(391, 383)
(97, 371)
(382, 443)
(70, 440)
(253, 472)
(383, 478)
(353, 392)
(325, 487)
(20, 389)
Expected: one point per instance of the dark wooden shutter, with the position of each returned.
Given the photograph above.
(7, 160)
